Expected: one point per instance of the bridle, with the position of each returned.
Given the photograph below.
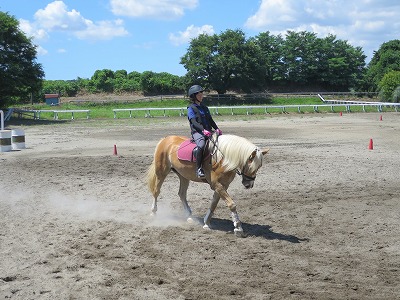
(245, 176)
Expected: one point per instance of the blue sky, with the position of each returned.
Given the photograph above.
(76, 38)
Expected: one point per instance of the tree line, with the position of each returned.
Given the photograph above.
(229, 61)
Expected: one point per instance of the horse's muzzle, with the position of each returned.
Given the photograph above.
(248, 184)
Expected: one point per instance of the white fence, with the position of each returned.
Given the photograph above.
(331, 105)
(266, 108)
(56, 113)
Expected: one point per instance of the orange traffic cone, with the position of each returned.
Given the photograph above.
(115, 150)
(341, 114)
(371, 145)
(380, 119)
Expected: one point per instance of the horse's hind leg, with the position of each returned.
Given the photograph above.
(183, 187)
(159, 183)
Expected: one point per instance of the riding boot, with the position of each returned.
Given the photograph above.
(199, 162)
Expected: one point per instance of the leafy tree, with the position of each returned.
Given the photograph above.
(300, 51)
(66, 88)
(269, 57)
(161, 83)
(386, 59)
(345, 64)
(388, 85)
(102, 81)
(20, 74)
(230, 62)
(199, 60)
(134, 80)
(221, 62)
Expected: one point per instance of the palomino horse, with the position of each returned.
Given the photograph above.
(229, 155)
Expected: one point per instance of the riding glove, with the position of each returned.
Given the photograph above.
(206, 133)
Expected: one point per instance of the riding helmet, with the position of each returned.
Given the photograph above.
(194, 89)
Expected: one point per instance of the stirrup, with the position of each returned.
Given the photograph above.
(200, 173)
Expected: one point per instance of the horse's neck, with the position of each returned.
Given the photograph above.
(232, 150)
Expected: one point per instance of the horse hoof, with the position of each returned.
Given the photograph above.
(206, 227)
(190, 220)
(239, 233)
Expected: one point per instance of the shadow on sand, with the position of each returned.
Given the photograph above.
(263, 231)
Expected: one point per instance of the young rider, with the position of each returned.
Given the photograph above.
(201, 124)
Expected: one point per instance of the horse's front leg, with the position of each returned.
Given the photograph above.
(210, 212)
(238, 230)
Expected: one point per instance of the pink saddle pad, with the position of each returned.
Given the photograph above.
(185, 150)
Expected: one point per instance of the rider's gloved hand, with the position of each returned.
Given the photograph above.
(206, 133)
(218, 131)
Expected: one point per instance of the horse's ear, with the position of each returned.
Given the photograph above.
(252, 155)
(265, 151)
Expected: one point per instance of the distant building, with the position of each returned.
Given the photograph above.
(52, 99)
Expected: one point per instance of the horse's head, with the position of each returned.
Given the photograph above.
(250, 168)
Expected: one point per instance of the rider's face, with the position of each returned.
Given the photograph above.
(199, 96)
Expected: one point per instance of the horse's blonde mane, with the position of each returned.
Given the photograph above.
(234, 151)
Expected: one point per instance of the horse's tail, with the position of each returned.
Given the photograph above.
(151, 177)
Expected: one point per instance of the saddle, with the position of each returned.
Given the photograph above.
(187, 151)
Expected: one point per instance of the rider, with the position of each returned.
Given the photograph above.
(201, 124)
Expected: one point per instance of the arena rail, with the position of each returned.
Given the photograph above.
(57, 112)
(36, 113)
(249, 109)
(147, 111)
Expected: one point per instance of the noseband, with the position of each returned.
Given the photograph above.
(245, 177)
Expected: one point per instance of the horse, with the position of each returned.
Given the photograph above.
(228, 155)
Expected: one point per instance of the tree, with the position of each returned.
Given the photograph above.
(20, 74)
(221, 62)
(269, 57)
(345, 64)
(300, 56)
(229, 61)
(386, 59)
(161, 83)
(103, 81)
(315, 62)
(388, 85)
(199, 60)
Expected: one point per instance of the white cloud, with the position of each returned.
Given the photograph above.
(159, 9)
(103, 30)
(191, 32)
(56, 17)
(61, 50)
(30, 30)
(41, 51)
(273, 12)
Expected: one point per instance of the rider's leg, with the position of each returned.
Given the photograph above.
(199, 163)
(200, 142)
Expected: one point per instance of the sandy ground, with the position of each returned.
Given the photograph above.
(322, 219)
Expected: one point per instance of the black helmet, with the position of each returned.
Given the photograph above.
(194, 89)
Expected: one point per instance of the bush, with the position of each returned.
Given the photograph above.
(388, 85)
(396, 95)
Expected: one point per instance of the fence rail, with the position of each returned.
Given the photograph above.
(56, 113)
(249, 109)
(266, 108)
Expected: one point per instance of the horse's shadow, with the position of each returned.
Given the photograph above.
(257, 230)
